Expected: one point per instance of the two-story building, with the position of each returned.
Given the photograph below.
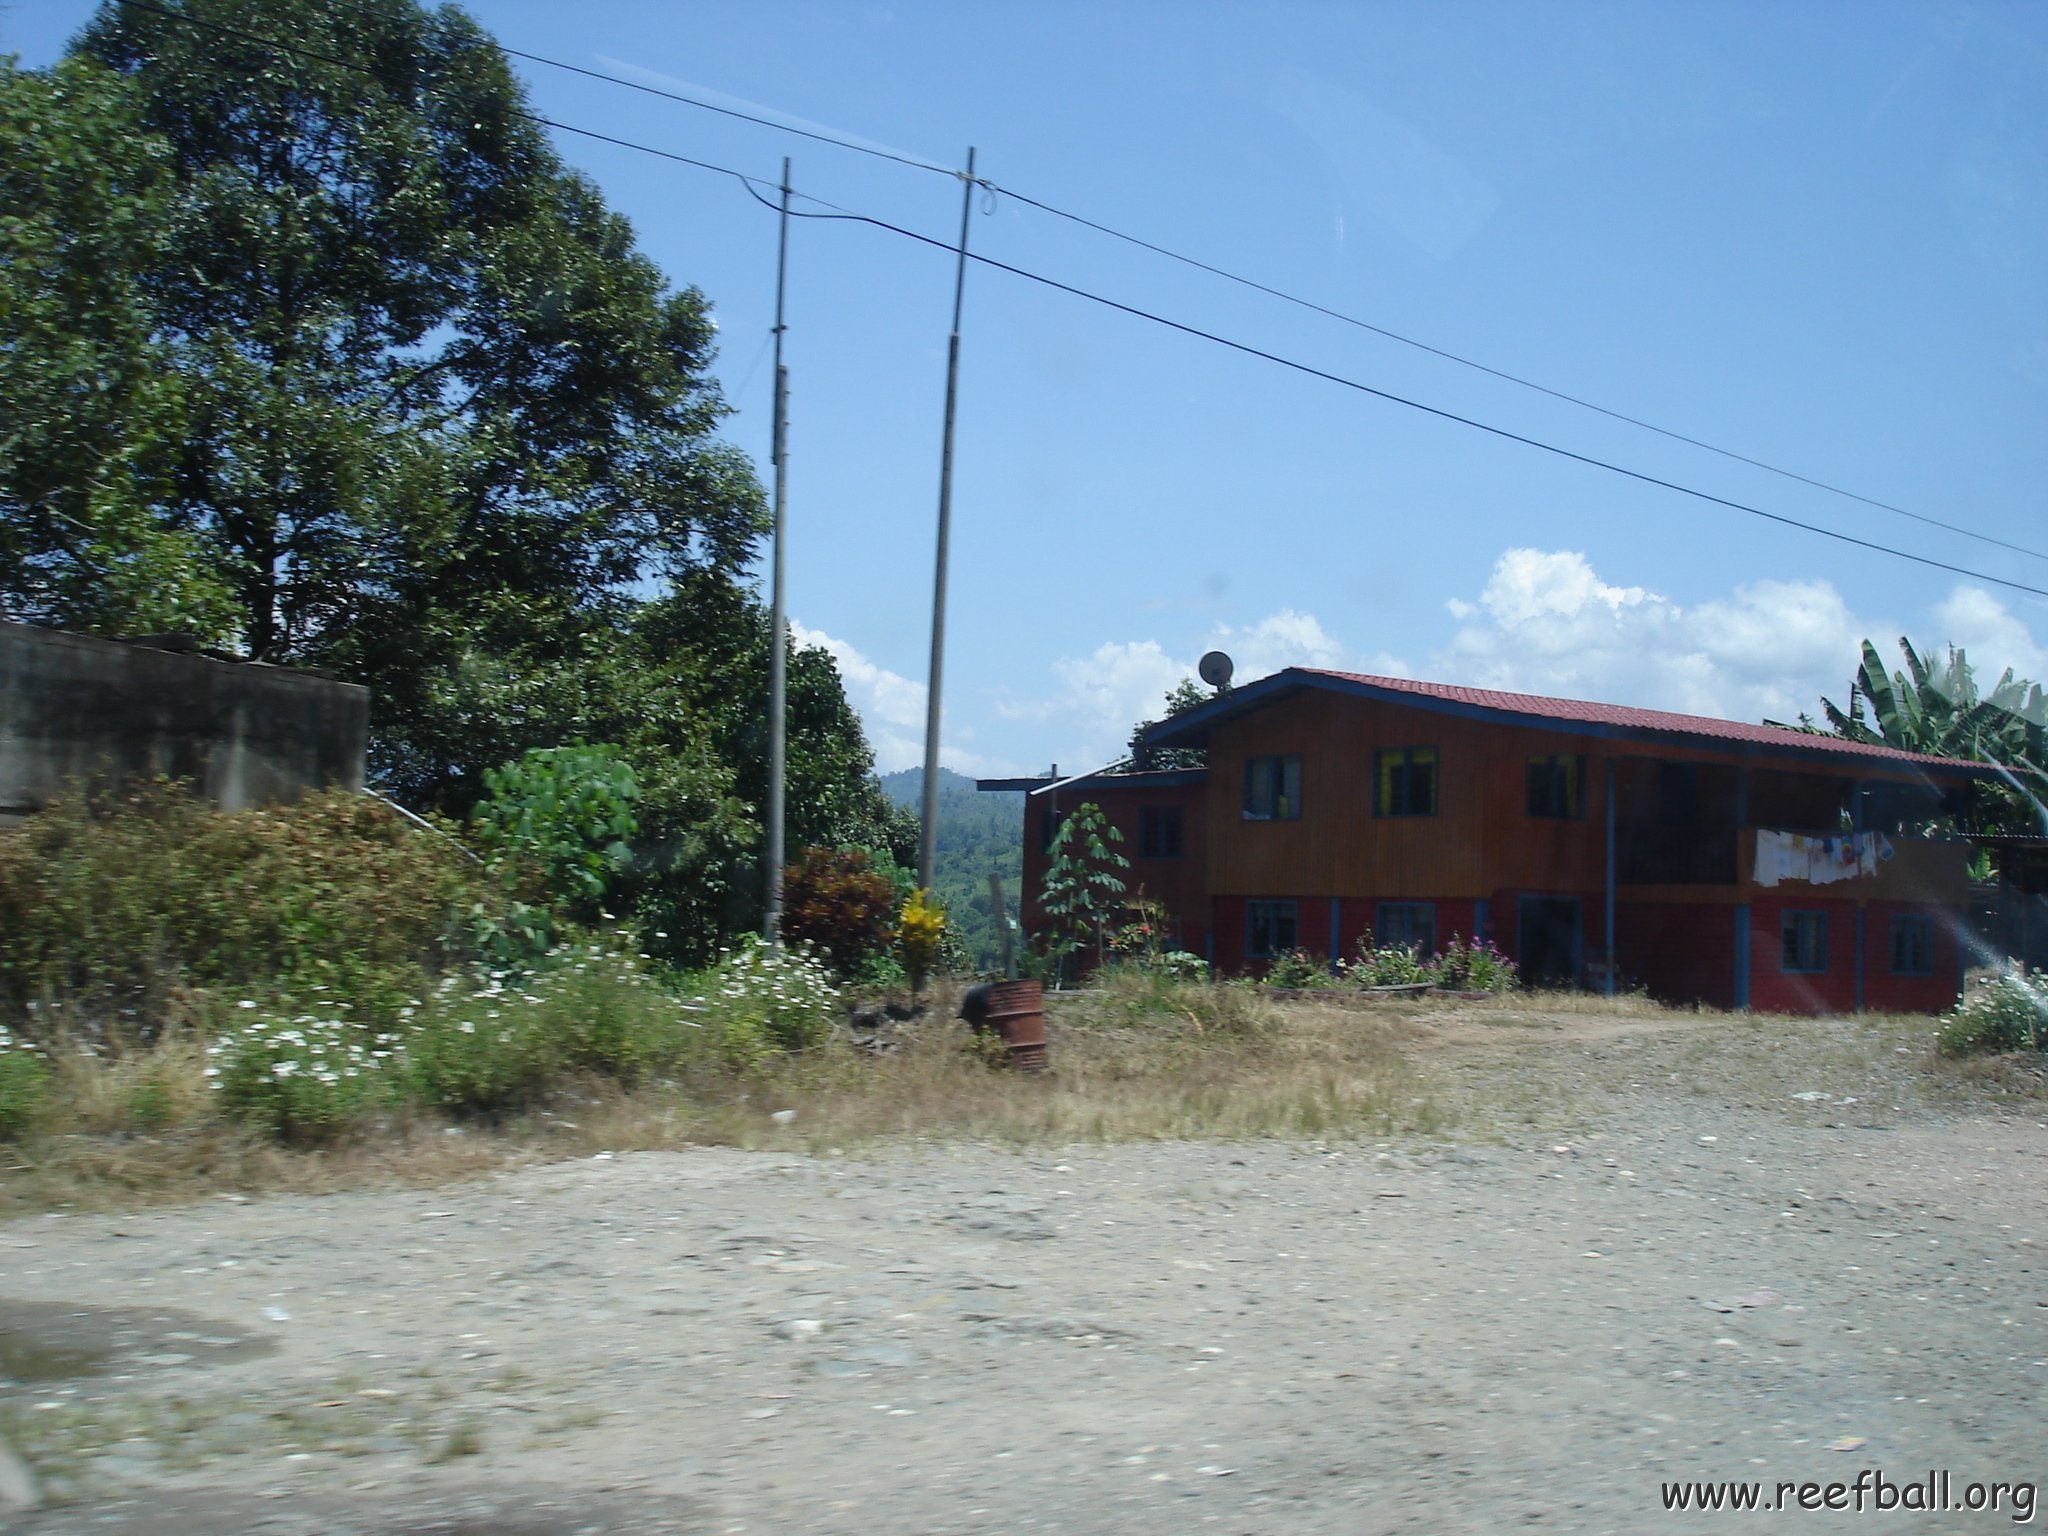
(1738, 865)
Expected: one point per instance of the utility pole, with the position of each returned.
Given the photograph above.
(928, 832)
(778, 640)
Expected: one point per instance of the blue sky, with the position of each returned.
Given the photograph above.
(1814, 234)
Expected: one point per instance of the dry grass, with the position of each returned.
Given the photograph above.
(1135, 1059)
(1168, 1063)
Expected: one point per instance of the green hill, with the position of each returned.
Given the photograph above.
(977, 833)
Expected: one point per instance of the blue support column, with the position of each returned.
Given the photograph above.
(1742, 956)
(1859, 957)
(1335, 931)
(1482, 921)
(1610, 877)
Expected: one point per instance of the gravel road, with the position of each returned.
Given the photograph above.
(1671, 1272)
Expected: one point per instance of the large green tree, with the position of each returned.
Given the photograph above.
(313, 347)
(91, 408)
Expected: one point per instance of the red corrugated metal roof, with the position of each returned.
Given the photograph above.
(1627, 717)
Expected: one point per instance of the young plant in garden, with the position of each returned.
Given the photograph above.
(920, 934)
(1474, 967)
(1299, 968)
(1388, 966)
(1083, 888)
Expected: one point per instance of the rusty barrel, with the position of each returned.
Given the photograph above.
(1016, 1009)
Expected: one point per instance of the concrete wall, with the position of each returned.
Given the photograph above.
(73, 707)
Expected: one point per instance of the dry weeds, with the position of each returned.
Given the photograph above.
(1134, 1060)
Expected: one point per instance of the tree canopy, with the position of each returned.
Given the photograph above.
(311, 346)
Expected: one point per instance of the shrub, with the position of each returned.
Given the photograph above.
(2004, 1013)
(1299, 968)
(920, 932)
(474, 1046)
(837, 902)
(1392, 966)
(111, 907)
(24, 1086)
(1476, 967)
(567, 814)
(302, 1076)
(1180, 964)
(759, 1002)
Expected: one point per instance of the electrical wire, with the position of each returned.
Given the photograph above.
(1417, 405)
(753, 184)
(993, 188)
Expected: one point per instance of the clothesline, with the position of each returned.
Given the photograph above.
(1819, 860)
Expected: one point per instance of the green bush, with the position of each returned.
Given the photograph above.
(1392, 966)
(1300, 968)
(475, 1046)
(1477, 967)
(24, 1086)
(2005, 1013)
(559, 823)
(113, 908)
(759, 1002)
(302, 1075)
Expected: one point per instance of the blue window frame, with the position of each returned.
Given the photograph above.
(1269, 928)
(1409, 925)
(1804, 942)
(1404, 781)
(1272, 788)
(1159, 832)
(1912, 944)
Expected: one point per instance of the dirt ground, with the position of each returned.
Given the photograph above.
(1651, 1249)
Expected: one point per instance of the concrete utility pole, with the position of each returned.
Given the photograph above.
(778, 638)
(928, 832)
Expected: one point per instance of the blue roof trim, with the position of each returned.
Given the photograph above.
(1192, 728)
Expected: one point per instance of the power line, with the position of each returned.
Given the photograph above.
(1432, 410)
(746, 117)
(1291, 298)
(363, 69)
(749, 183)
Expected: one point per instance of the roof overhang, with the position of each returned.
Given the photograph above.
(1192, 728)
(1163, 778)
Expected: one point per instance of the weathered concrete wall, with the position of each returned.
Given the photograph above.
(74, 707)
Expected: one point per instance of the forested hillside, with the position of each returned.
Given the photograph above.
(977, 833)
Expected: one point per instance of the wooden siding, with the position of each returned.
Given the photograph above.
(1482, 842)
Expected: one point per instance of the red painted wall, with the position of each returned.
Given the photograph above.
(1682, 953)
(1934, 993)
(1178, 883)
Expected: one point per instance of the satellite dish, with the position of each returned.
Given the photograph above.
(1215, 669)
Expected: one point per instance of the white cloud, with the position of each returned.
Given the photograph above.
(1994, 637)
(1547, 623)
(1102, 695)
(891, 707)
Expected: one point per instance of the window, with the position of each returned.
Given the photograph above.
(1159, 832)
(1272, 788)
(1554, 786)
(1048, 826)
(1913, 945)
(1409, 925)
(1805, 942)
(1404, 781)
(1269, 928)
